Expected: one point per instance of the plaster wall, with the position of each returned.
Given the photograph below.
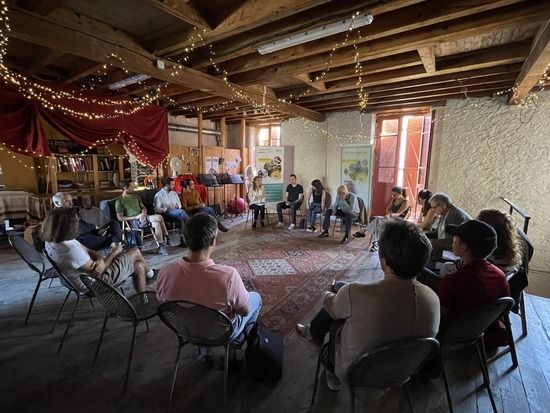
(483, 150)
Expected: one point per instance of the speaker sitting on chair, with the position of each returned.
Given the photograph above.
(208, 180)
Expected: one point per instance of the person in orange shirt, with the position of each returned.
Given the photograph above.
(192, 204)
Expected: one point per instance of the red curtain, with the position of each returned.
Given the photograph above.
(145, 131)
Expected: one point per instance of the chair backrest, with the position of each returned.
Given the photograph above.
(65, 281)
(148, 198)
(28, 253)
(363, 217)
(469, 326)
(107, 206)
(328, 200)
(110, 298)
(527, 250)
(391, 365)
(196, 324)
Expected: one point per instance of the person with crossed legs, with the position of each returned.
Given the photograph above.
(192, 203)
(168, 204)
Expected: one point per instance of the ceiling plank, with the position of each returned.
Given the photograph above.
(533, 68)
(443, 32)
(183, 11)
(427, 55)
(310, 82)
(413, 20)
(47, 60)
(83, 73)
(78, 41)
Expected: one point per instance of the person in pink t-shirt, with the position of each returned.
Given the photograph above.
(197, 279)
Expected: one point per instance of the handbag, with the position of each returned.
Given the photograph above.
(264, 354)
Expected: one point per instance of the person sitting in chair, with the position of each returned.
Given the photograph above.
(362, 317)
(192, 203)
(168, 204)
(293, 200)
(316, 199)
(198, 280)
(130, 208)
(345, 206)
(256, 200)
(90, 235)
(59, 231)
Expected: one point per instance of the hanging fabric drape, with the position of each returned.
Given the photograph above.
(144, 130)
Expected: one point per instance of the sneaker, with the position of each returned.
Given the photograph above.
(279, 224)
(222, 227)
(254, 225)
(333, 382)
(374, 246)
(153, 278)
(163, 250)
(302, 331)
(313, 229)
(323, 234)
(345, 240)
(262, 223)
(309, 229)
(291, 227)
(359, 234)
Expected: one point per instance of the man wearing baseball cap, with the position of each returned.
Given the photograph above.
(477, 282)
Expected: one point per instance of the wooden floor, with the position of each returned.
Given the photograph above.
(34, 379)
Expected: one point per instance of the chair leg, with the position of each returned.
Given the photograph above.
(130, 359)
(409, 397)
(484, 372)
(522, 314)
(225, 374)
(31, 304)
(100, 341)
(68, 324)
(316, 378)
(180, 345)
(246, 222)
(511, 343)
(147, 325)
(60, 311)
(481, 345)
(447, 390)
(50, 284)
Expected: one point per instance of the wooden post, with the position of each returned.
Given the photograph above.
(223, 132)
(199, 127)
(243, 133)
(244, 157)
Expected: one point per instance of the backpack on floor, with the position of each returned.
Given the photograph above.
(264, 354)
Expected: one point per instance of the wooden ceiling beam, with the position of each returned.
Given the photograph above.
(534, 67)
(427, 55)
(46, 60)
(486, 22)
(241, 44)
(404, 29)
(405, 84)
(183, 11)
(80, 40)
(319, 85)
(83, 73)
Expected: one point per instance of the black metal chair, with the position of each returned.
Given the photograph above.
(250, 211)
(133, 309)
(72, 288)
(35, 261)
(467, 330)
(198, 325)
(388, 366)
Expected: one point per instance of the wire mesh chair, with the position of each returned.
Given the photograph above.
(198, 325)
(467, 330)
(133, 309)
(35, 261)
(72, 288)
(389, 366)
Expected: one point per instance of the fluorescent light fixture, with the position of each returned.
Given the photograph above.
(339, 26)
(127, 82)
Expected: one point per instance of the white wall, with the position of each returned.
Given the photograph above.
(317, 147)
(484, 150)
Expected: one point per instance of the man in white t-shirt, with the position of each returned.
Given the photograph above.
(168, 204)
(59, 230)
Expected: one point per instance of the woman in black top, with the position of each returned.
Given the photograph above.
(399, 206)
(427, 213)
(316, 202)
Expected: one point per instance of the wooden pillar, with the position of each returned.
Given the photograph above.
(243, 134)
(200, 142)
(223, 132)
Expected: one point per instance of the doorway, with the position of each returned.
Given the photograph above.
(401, 155)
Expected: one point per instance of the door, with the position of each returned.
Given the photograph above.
(401, 152)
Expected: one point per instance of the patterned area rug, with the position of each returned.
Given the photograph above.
(289, 270)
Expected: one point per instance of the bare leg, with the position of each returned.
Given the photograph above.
(137, 257)
(139, 277)
(158, 226)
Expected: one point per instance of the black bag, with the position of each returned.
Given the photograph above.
(302, 224)
(264, 354)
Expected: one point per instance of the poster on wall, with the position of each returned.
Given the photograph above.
(356, 170)
(211, 165)
(269, 165)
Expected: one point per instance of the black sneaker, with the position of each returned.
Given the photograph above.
(374, 246)
(262, 223)
(222, 227)
(323, 234)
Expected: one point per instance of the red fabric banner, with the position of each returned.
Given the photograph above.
(145, 131)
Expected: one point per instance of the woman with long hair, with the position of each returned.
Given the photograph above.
(316, 200)
(59, 230)
(426, 218)
(256, 200)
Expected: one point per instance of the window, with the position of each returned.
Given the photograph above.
(269, 135)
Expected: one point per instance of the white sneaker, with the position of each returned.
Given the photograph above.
(279, 224)
(291, 227)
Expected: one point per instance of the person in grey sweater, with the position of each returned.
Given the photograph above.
(345, 206)
(449, 214)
